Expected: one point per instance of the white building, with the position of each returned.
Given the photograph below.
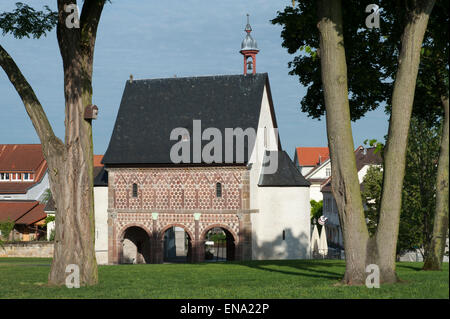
(269, 218)
(315, 165)
(365, 158)
(23, 186)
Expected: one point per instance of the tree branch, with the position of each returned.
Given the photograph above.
(31, 102)
(89, 20)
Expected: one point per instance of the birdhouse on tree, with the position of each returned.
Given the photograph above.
(91, 112)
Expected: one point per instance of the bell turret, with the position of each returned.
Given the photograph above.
(249, 48)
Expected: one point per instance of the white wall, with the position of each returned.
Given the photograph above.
(315, 193)
(265, 120)
(306, 169)
(281, 208)
(101, 224)
(321, 171)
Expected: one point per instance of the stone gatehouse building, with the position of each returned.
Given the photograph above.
(144, 200)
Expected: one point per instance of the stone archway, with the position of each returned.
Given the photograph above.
(224, 246)
(135, 247)
(175, 244)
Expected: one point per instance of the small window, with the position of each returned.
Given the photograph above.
(328, 171)
(135, 190)
(219, 190)
(4, 176)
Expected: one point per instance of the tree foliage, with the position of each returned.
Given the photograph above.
(419, 189)
(371, 55)
(25, 21)
(316, 211)
(371, 195)
(6, 227)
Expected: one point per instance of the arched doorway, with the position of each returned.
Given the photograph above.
(220, 245)
(136, 246)
(177, 246)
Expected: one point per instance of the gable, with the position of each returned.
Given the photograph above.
(151, 109)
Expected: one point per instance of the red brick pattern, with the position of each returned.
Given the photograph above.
(176, 195)
(209, 221)
(173, 189)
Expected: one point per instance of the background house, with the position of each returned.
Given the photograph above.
(365, 158)
(314, 163)
(23, 185)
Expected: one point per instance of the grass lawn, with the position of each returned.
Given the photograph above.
(27, 277)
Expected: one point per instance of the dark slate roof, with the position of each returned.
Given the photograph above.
(50, 206)
(286, 175)
(100, 176)
(363, 157)
(367, 156)
(150, 109)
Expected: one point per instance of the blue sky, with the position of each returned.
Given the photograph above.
(158, 39)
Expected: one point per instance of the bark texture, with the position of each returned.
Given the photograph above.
(361, 249)
(433, 260)
(395, 151)
(70, 163)
(345, 183)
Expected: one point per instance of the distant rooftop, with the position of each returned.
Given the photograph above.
(311, 156)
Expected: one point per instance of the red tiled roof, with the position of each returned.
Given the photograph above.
(98, 160)
(33, 216)
(21, 158)
(22, 212)
(312, 156)
(15, 187)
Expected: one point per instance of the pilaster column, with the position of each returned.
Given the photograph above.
(244, 248)
(113, 241)
(156, 244)
(198, 245)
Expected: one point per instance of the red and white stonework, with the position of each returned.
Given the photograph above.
(262, 217)
(178, 197)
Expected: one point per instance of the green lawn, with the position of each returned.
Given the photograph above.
(27, 277)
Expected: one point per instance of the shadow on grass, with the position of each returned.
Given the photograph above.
(416, 268)
(307, 268)
(287, 251)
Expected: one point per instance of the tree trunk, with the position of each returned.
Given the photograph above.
(71, 163)
(74, 224)
(395, 150)
(345, 183)
(360, 249)
(433, 260)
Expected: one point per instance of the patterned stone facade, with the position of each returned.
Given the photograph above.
(184, 197)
